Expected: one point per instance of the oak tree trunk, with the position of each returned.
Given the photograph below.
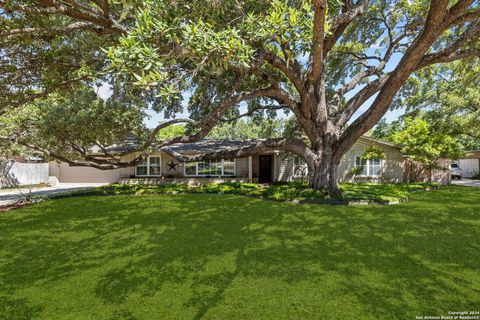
(322, 173)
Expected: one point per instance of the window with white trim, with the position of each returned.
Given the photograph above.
(210, 168)
(150, 166)
(370, 167)
(229, 167)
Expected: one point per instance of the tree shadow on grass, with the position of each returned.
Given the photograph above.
(391, 262)
(18, 309)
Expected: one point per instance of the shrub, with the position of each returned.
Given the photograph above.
(283, 191)
(476, 175)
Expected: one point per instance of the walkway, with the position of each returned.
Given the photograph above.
(11, 196)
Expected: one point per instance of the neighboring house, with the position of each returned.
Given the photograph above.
(470, 164)
(277, 165)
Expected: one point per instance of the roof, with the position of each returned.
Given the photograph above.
(125, 145)
(472, 154)
(209, 145)
(387, 143)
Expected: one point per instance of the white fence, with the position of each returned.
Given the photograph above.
(29, 173)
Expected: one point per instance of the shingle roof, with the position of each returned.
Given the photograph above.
(209, 145)
(387, 143)
(203, 146)
(128, 144)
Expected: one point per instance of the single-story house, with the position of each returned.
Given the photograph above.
(273, 166)
(470, 164)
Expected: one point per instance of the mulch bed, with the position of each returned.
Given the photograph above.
(12, 206)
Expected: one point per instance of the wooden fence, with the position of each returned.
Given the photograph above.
(415, 172)
(29, 173)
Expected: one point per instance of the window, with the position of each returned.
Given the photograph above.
(300, 168)
(191, 169)
(142, 168)
(149, 167)
(375, 167)
(362, 163)
(229, 167)
(370, 167)
(154, 166)
(210, 168)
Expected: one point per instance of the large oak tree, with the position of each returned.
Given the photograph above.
(323, 61)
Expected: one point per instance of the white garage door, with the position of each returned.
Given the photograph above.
(469, 167)
(69, 174)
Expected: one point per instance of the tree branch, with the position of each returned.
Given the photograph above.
(408, 64)
(452, 52)
(293, 145)
(320, 14)
(450, 57)
(252, 111)
(467, 17)
(457, 10)
(57, 31)
(82, 12)
(341, 22)
(359, 99)
(290, 73)
(32, 97)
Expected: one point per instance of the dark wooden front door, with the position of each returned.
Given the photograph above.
(265, 169)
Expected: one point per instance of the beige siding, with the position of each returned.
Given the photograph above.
(284, 167)
(53, 169)
(166, 170)
(129, 171)
(241, 165)
(392, 165)
(68, 174)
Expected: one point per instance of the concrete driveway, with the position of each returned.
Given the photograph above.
(11, 196)
(467, 183)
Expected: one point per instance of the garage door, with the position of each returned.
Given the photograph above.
(69, 174)
(469, 167)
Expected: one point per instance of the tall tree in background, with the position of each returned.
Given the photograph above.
(451, 98)
(320, 60)
(249, 129)
(447, 98)
(426, 146)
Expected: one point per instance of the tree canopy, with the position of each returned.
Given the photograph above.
(321, 61)
(447, 98)
(422, 144)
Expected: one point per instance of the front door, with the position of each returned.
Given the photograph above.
(265, 169)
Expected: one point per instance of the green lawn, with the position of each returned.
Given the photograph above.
(208, 256)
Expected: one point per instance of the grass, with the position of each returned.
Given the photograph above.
(210, 256)
(377, 193)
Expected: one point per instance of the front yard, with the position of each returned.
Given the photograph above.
(225, 256)
(352, 193)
